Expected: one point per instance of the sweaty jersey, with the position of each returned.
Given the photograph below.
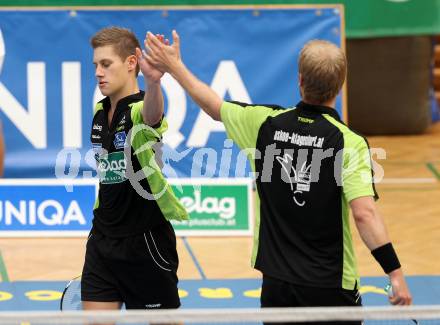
(133, 193)
(308, 166)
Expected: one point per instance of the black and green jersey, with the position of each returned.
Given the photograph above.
(308, 166)
(133, 194)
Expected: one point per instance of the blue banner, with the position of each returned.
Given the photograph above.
(46, 207)
(48, 88)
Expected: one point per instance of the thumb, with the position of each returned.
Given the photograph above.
(176, 39)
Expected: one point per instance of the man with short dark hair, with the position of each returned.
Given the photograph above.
(131, 253)
(311, 168)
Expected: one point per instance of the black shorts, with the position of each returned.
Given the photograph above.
(278, 293)
(140, 271)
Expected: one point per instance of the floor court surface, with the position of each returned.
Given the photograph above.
(216, 272)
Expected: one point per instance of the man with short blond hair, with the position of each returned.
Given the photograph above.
(131, 253)
(323, 68)
(310, 169)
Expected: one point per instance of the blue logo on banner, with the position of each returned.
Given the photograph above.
(119, 141)
(46, 207)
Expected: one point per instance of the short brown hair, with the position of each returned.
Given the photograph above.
(323, 68)
(123, 41)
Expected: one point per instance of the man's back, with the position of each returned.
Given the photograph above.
(322, 70)
(304, 233)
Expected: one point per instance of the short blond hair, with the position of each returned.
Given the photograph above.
(123, 40)
(323, 68)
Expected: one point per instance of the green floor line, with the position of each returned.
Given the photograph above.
(3, 271)
(433, 170)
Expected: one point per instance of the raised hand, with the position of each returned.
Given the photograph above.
(150, 72)
(161, 55)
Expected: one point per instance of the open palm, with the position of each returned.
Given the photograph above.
(162, 55)
(150, 73)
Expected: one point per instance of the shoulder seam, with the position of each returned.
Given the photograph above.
(341, 126)
(272, 106)
(376, 195)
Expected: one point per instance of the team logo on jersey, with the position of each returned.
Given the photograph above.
(111, 168)
(97, 149)
(301, 178)
(119, 140)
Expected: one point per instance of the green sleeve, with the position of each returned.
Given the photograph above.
(141, 143)
(151, 133)
(242, 121)
(357, 175)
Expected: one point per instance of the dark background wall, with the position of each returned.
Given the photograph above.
(388, 84)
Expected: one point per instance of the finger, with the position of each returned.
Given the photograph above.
(150, 60)
(164, 40)
(144, 54)
(394, 300)
(404, 301)
(147, 44)
(159, 37)
(148, 55)
(154, 63)
(153, 39)
(407, 300)
(151, 46)
(139, 53)
(176, 38)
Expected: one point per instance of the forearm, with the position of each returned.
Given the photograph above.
(202, 94)
(372, 229)
(153, 109)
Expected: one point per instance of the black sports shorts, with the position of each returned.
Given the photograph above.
(140, 271)
(278, 293)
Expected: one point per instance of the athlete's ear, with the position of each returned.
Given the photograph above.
(132, 61)
(300, 85)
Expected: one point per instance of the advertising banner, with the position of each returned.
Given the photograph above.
(64, 208)
(46, 207)
(215, 206)
(48, 87)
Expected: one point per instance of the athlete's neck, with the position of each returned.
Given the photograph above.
(330, 103)
(130, 88)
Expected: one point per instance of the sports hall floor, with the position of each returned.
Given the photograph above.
(216, 272)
